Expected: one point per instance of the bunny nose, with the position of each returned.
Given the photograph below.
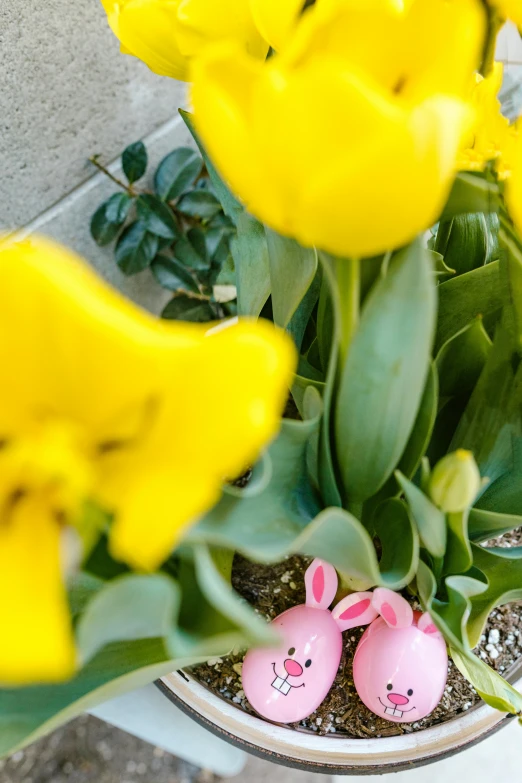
(397, 699)
(294, 669)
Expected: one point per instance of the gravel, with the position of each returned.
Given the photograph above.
(87, 750)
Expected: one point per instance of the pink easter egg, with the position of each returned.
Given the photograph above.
(400, 672)
(287, 683)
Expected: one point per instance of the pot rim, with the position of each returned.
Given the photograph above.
(331, 754)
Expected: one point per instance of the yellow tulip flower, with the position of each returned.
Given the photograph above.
(167, 34)
(340, 143)
(509, 9)
(491, 135)
(102, 401)
(276, 19)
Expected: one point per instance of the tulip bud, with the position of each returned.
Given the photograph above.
(455, 481)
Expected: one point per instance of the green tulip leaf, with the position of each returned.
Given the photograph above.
(219, 594)
(462, 299)
(490, 686)
(492, 416)
(471, 193)
(264, 526)
(250, 253)
(449, 615)
(416, 446)
(472, 241)
(130, 607)
(484, 525)
(504, 496)
(337, 536)
(328, 324)
(503, 570)
(383, 379)
(430, 520)
(462, 358)
(458, 558)
(292, 271)
(513, 264)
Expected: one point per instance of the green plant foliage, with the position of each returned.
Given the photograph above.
(180, 231)
(490, 686)
(469, 241)
(292, 271)
(177, 172)
(131, 607)
(472, 193)
(194, 614)
(136, 248)
(156, 216)
(480, 293)
(403, 359)
(134, 161)
(429, 519)
(378, 399)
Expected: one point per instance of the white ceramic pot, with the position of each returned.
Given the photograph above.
(331, 754)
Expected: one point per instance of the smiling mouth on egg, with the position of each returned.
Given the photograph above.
(393, 710)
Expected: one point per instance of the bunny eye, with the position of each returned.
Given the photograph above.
(410, 692)
(308, 663)
(389, 686)
(291, 651)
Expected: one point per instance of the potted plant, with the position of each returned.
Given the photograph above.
(397, 461)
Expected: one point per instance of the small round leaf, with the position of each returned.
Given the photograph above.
(136, 249)
(177, 172)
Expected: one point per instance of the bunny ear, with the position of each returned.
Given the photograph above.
(354, 610)
(393, 608)
(427, 626)
(321, 584)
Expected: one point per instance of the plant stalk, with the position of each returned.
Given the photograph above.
(348, 279)
(128, 188)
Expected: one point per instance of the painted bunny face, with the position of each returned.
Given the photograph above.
(400, 672)
(287, 683)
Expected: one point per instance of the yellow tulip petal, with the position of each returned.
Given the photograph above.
(37, 641)
(223, 80)
(230, 393)
(201, 22)
(371, 164)
(417, 156)
(276, 19)
(148, 29)
(509, 9)
(155, 512)
(103, 360)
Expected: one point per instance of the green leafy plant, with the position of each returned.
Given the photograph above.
(179, 231)
(404, 359)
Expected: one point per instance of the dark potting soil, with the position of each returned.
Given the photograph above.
(275, 588)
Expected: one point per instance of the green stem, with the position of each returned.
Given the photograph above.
(95, 162)
(348, 279)
(488, 55)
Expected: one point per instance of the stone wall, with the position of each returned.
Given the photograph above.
(67, 93)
